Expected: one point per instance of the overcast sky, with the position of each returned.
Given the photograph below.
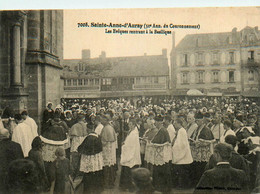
(210, 20)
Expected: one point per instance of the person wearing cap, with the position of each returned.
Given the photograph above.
(170, 128)
(228, 131)
(245, 148)
(237, 125)
(181, 156)
(98, 125)
(60, 109)
(218, 127)
(77, 133)
(252, 122)
(151, 115)
(109, 144)
(222, 178)
(142, 180)
(9, 151)
(148, 135)
(29, 121)
(68, 118)
(192, 125)
(243, 134)
(60, 172)
(91, 162)
(22, 134)
(22, 177)
(236, 160)
(124, 124)
(48, 114)
(202, 132)
(199, 144)
(74, 115)
(88, 114)
(102, 111)
(161, 143)
(35, 155)
(130, 156)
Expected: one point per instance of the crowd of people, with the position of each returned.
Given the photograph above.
(205, 144)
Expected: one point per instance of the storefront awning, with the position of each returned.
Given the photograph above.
(194, 92)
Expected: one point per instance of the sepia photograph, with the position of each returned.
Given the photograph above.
(130, 100)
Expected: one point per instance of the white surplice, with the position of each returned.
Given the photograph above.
(99, 128)
(181, 153)
(29, 121)
(171, 131)
(22, 135)
(130, 155)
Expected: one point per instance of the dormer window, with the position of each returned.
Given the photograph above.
(229, 40)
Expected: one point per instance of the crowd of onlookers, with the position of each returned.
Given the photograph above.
(207, 143)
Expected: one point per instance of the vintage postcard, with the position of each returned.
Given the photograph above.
(106, 91)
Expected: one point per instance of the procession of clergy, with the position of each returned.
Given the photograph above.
(204, 148)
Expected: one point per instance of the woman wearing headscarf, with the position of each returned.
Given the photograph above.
(61, 172)
(48, 114)
(35, 154)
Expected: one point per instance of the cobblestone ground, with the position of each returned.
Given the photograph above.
(116, 190)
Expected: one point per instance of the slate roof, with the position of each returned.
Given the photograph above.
(138, 66)
(153, 65)
(207, 40)
(216, 39)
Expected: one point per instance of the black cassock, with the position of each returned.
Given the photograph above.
(93, 180)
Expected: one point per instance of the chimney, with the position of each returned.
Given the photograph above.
(164, 52)
(145, 54)
(102, 55)
(85, 54)
(234, 36)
